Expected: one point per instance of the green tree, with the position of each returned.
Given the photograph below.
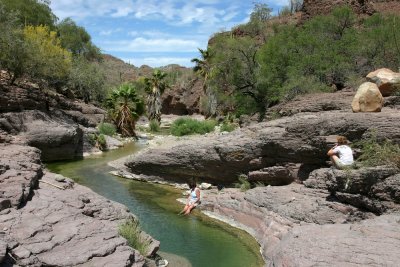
(87, 80)
(46, 59)
(155, 86)
(31, 12)
(204, 69)
(13, 51)
(77, 40)
(125, 107)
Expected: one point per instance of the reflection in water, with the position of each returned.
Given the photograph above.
(200, 240)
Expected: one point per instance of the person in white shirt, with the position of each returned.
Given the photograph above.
(341, 154)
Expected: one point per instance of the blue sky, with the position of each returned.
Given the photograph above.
(156, 33)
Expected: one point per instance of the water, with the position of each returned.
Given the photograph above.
(199, 240)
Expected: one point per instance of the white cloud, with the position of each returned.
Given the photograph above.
(141, 44)
(155, 62)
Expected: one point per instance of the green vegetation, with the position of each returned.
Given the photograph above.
(107, 128)
(130, 230)
(155, 86)
(187, 126)
(264, 62)
(154, 126)
(243, 183)
(125, 107)
(378, 152)
(51, 54)
(98, 141)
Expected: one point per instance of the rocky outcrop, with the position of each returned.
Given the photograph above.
(301, 138)
(276, 175)
(269, 213)
(373, 242)
(376, 189)
(387, 81)
(57, 136)
(69, 227)
(367, 99)
(183, 99)
(20, 171)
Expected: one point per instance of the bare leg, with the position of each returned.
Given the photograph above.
(183, 211)
(189, 209)
(336, 161)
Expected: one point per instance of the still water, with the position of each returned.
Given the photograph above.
(193, 240)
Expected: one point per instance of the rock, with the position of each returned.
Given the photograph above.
(375, 189)
(367, 99)
(60, 228)
(387, 81)
(269, 213)
(300, 138)
(113, 143)
(3, 247)
(205, 186)
(21, 173)
(276, 175)
(373, 242)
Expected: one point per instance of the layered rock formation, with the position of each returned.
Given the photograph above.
(48, 221)
(300, 139)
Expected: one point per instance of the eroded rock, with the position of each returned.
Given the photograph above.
(367, 99)
(387, 80)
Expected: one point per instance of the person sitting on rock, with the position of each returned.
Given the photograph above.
(193, 198)
(341, 154)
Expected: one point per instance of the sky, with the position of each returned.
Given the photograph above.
(156, 33)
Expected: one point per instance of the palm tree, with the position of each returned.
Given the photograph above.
(204, 69)
(155, 86)
(125, 107)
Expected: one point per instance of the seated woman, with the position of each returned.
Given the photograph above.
(341, 154)
(193, 199)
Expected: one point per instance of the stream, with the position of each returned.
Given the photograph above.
(194, 240)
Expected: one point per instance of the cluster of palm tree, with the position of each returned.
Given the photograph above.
(126, 106)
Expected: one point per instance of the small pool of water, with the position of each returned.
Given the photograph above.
(202, 241)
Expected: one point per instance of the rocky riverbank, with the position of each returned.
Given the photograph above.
(318, 215)
(46, 219)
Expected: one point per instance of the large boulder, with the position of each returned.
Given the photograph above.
(376, 189)
(56, 136)
(367, 99)
(301, 138)
(387, 80)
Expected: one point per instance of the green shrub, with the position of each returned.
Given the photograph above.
(107, 128)
(154, 126)
(375, 153)
(187, 126)
(243, 183)
(227, 126)
(101, 142)
(92, 139)
(131, 231)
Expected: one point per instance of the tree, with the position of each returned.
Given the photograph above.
(87, 80)
(125, 107)
(46, 58)
(13, 51)
(31, 12)
(155, 86)
(77, 40)
(203, 68)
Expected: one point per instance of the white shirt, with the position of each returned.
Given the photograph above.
(345, 154)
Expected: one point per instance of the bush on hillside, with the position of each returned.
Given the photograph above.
(187, 126)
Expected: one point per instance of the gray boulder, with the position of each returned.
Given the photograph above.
(301, 138)
(376, 189)
(276, 175)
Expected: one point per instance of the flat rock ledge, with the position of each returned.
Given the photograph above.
(47, 220)
(300, 226)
